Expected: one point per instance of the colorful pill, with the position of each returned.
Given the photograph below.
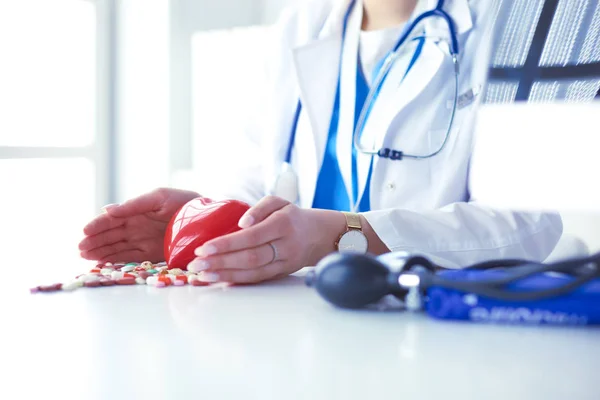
(181, 278)
(179, 283)
(165, 279)
(108, 282)
(144, 275)
(128, 268)
(106, 271)
(126, 281)
(108, 264)
(152, 271)
(147, 265)
(176, 271)
(140, 281)
(128, 275)
(93, 284)
(95, 270)
(50, 288)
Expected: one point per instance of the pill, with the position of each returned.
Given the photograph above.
(51, 288)
(161, 264)
(181, 278)
(152, 280)
(165, 279)
(140, 281)
(139, 269)
(106, 271)
(108, 264)
(92, 284)
(95, 270)
(163, 272)
(88, 278)
(108, 282)
(144, 275)
(176, 271)
(34, 290)
(126, 281)
(160, 285)
(72, 285)
(128, 275)
(152, 271)
(128, 268)
(117, 275)
(179, 283)
(147, 265)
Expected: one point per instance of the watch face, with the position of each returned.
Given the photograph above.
(353, 241)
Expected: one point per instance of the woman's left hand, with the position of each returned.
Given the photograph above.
(277, 239)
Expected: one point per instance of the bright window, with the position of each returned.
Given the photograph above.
(50, 146)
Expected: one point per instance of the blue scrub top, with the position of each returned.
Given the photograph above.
(330, 192)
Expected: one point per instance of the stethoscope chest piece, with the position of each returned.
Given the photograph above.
(286, 184)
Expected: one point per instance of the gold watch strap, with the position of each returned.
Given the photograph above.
(353, 220)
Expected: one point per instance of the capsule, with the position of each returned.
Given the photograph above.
(126, 281)
(128, 268)
(117, 275)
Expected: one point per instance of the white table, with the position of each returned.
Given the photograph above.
(274, 341)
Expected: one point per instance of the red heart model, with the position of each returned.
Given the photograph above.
(197, 222)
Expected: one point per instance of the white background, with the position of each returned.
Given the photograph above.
(136, 85)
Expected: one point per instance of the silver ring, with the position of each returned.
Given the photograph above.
(275, 253)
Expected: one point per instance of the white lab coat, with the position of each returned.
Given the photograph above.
(417, 205)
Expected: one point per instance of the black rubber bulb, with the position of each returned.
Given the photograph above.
(350, 280)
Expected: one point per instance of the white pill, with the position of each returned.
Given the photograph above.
(115, 275)
(106, 271)
(140, 281)
(108, 264)
(179, 283)
(69, 286)
(128, 268)
(152, 280)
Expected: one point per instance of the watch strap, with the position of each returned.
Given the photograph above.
(353, 220)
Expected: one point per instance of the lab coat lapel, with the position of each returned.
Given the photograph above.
(317, 69)
(348, 75)
(399, 91)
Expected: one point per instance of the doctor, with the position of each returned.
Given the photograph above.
(349, 79)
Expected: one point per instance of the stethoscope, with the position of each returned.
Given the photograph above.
(286, 184)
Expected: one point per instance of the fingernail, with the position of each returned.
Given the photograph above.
(198, 265)
(246, 221)
(106, 207)
(210, 277)
(206, 250)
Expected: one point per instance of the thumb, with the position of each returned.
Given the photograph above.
(143, 204)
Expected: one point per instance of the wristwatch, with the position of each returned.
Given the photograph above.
(353, 240)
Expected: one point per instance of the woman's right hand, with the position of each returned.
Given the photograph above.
(133, 231)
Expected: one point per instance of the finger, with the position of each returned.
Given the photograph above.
(245, 259)
(101, 253)
(103, 239)
(265, 207)
(128, 256)
(245, 276)
(101, 224)
(260, 234)
(140, 205)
